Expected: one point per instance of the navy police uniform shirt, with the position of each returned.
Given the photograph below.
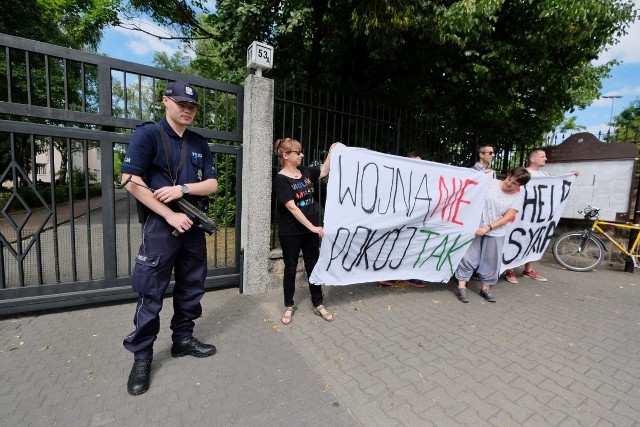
(145, 156)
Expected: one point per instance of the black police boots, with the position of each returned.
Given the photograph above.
(140, 377)
(192, 347)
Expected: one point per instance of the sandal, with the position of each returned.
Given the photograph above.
(412, 284)
(326, 316)
(286, 319)
(387, 283)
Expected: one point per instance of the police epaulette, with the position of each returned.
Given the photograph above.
(145, 123)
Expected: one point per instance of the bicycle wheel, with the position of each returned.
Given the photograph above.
(566, 251)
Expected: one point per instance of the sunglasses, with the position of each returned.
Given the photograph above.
(190, 106)
(491, 153)
(294, 151)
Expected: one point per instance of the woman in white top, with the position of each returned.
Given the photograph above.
(502, 203)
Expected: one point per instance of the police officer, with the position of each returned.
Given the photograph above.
(184, 169)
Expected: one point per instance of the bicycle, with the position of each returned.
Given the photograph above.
(584, 251)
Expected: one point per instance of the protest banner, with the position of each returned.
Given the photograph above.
(529, 235)
(395, 218)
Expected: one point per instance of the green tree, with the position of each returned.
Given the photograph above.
(179, 61)
(570, 124)
(499, 68)
(566, 127)
(627, 123)
(119, 151)
(71, 23)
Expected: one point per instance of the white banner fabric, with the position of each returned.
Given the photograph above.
(529, 235)
(395, 218)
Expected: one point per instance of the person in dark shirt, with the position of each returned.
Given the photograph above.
(175, 162)
(298, 221)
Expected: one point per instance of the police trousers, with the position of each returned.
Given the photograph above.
(159, 255)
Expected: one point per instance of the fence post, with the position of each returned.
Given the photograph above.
(257, 155)
(398, 139)
(629, 267)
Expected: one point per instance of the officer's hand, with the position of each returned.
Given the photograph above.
(179, 221)
(168, 194)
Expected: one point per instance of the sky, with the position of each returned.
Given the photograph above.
(624, 82)
(138, 47)
(135, 46)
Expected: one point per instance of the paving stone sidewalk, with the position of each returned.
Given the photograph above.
(560, 353)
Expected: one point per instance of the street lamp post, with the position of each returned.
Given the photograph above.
(613, 99)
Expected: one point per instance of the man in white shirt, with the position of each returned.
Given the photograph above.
(536, 160)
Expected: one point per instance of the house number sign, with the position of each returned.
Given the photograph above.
(259, 57)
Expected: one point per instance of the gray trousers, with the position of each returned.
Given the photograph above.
(483, 257)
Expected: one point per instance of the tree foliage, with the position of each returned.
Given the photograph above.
(499, 68)
(570, 124)
(496, 67)
(76, 24)
(627, 123)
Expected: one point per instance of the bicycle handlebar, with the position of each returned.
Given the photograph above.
(590, 212)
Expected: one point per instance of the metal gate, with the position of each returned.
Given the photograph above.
(67, 235)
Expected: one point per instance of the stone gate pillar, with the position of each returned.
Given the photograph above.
(256, 181)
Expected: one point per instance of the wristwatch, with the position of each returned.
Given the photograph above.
(184, 189)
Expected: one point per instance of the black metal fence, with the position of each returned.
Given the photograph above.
(67, 236)
(317, 119)
(617, 135)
